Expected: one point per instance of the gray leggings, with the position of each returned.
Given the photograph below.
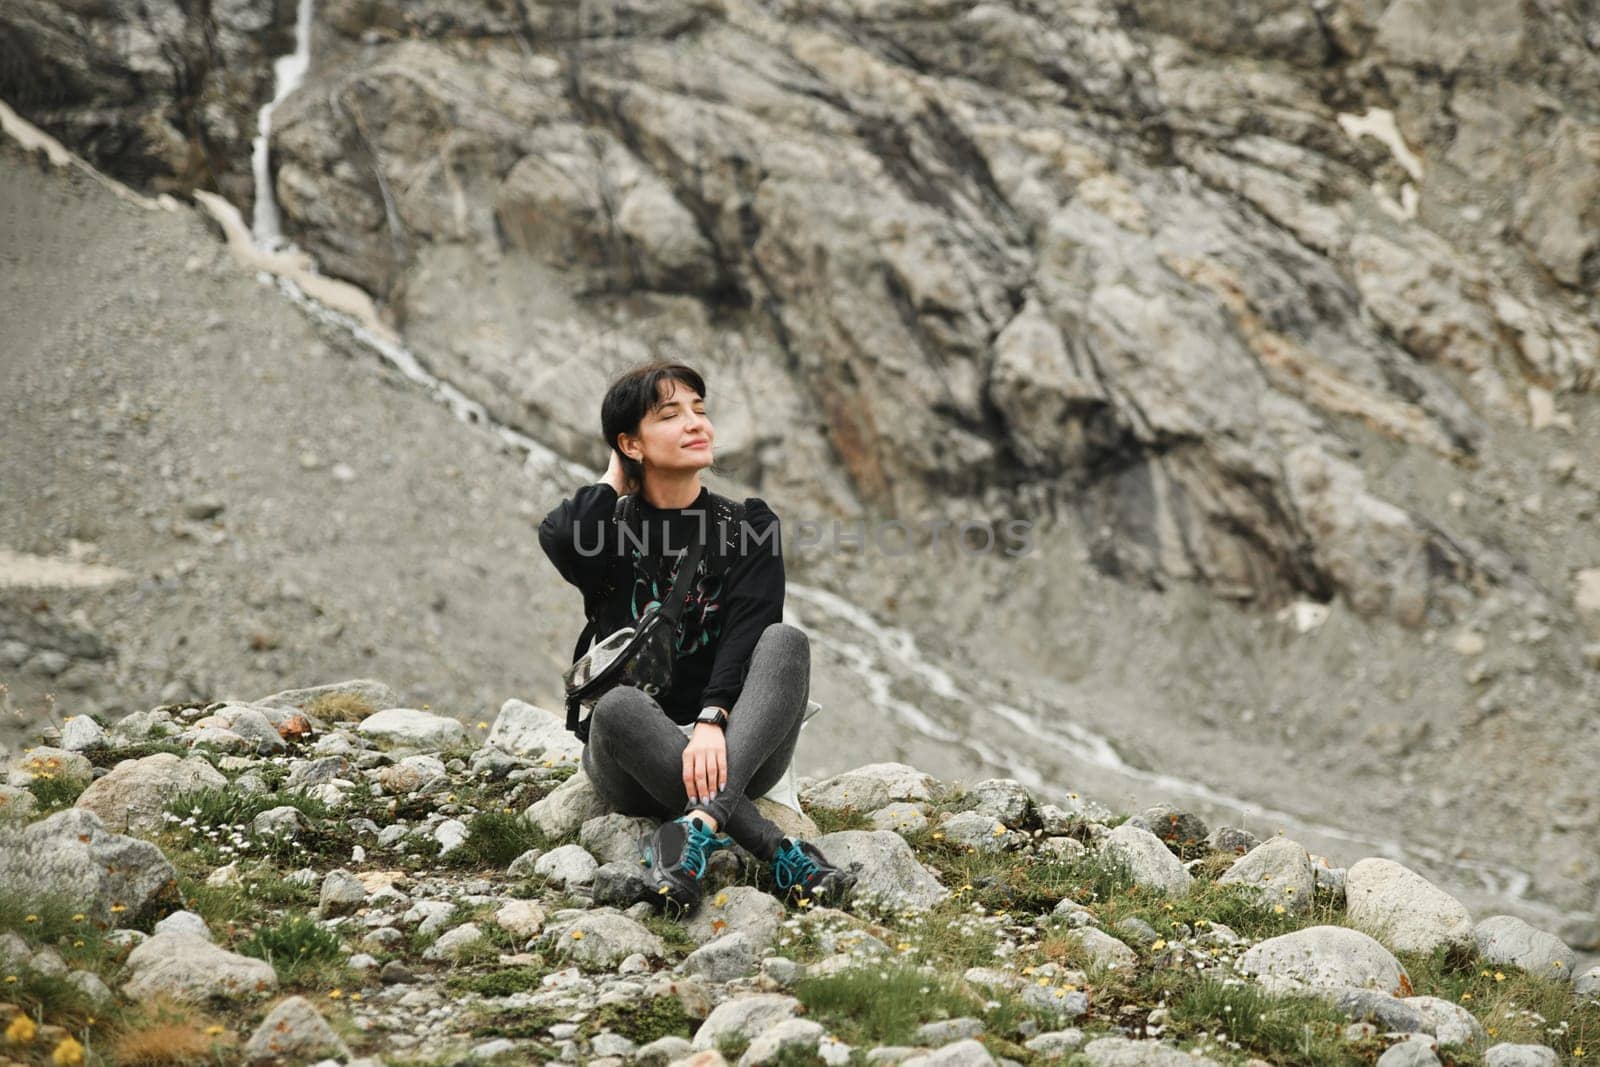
(635, 753)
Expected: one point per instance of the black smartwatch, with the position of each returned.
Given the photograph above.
(717, 717)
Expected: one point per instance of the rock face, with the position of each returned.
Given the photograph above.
(294, 1032)
(162, 94)
(1278, 872)
(890, 875)
(71, 856)
(1034, 204)
(134, 796)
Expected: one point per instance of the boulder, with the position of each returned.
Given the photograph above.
(1278, 871)
(1506, 939)
(525, 730)
(408, 728)
(72, 858)
(569, 805)
(745, 1017)
(601, 938)
(870, 787)
(134, 796)
(741, 909)
(889, 876)
(1403, 909)
(186, 967)
(1151, 863)
(294, 1032)
(1324, 959)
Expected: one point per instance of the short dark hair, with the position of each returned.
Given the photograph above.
(632, 396)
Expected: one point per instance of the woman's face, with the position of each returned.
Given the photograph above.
(674, 435)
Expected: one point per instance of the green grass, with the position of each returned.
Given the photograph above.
(1282, 1029)
(217, 808)
(498, 983)
(1512, 1005)
(299, 949)
(884, 1004)
(495, 838)
(53, 793)
(643, 1021)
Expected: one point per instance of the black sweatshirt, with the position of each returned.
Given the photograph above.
(731, 602)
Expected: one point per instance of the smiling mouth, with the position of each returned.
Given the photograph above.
(698, 444)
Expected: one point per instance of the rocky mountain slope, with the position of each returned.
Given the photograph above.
(319, 876)
(1276, 306)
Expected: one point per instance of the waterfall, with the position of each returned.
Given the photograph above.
(287, 73)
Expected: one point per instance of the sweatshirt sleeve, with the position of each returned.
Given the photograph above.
(754, 601)
(576, 535)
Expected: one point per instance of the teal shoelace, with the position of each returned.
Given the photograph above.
(699, 845)
(792, 867)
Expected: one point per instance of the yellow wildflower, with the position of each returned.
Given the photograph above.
(30, 918)
(214, 1030)
(721, 900)
(1499, 976)
(577, 935)
(78, 918)
(335, 994)
(21, 1030)
(118, 909)
(1277, 909)
(1158, 944)
(67, 1054)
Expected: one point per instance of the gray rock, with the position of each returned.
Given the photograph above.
(80, 733)
(1231, 839)
(982, 832)
(964, 1053)
(744, 1017)
(610, 1044)
(662, 1051)
(1054, 1044)
(1123, 1052)
(1509, 1055)
(620, 885)
(134, 796)
(1587, 984)
(567, 808)
(1075, 914)
(184, 922)
(520, 918)
(417, 775)
(342, 893)
(1416, 1052)
(1005, 800)
(728, 957)
(1178, 829)
(373, 692)
(890, 876)
(614, 838)
(739, 909)
(409, 728)
(1279, 871)
(257, 729)
(16, 803)
(770, 1044)
(601, 938)
(871, 787)
(293, 1032)
(902, 817)
(524, 730)
(944, 1031)
(283, 822)
(567, 867)
(1323, 959)
(1151, 863)
(303, 774)
(1389, 1013)
(71, 857)
(1453, 1026)
(522, 866)
(453, 944)
(1132, 928)
(1403, 909)
(451, 835)
(1506, 939)
(89, 984)
(1062, 1004)
(185, 967)
(48, 762)
(1103, 949)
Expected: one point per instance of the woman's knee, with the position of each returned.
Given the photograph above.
(786, 640)
(617, 706)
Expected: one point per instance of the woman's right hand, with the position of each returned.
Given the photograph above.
(617, 478)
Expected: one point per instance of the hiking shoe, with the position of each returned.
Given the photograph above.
(804, 874)
(677, 855)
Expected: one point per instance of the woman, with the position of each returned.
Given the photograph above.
(742, 675)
